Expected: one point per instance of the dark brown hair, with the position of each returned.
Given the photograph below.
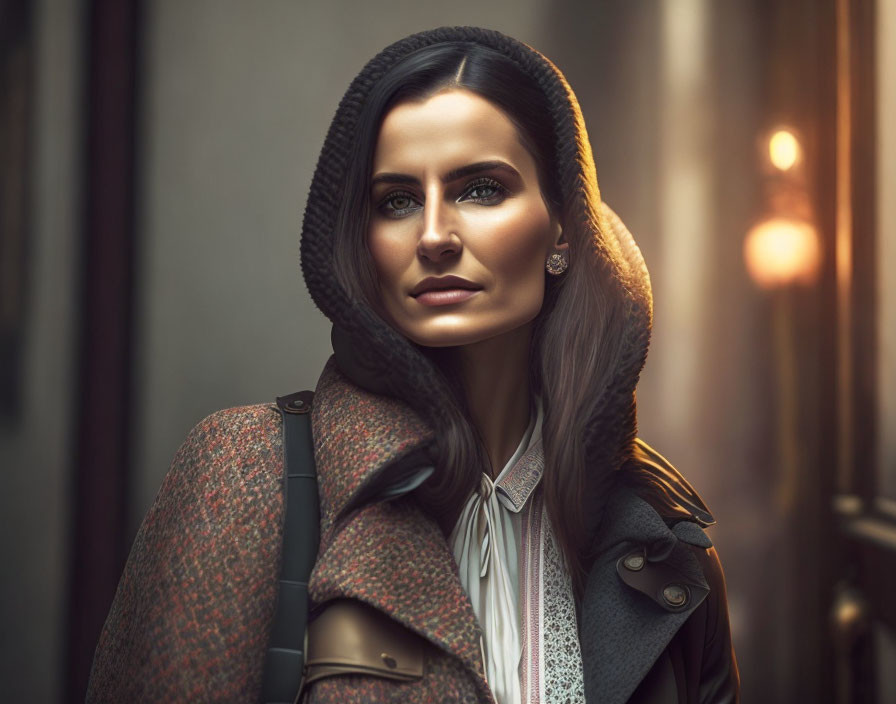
(576, 341)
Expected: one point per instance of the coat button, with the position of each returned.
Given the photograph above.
(675, 595)
(634, 562)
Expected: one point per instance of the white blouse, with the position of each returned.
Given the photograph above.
(514, 575)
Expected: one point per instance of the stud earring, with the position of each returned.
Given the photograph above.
(556, 264)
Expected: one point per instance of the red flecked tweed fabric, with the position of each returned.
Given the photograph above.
(356, 432)
(192, 613)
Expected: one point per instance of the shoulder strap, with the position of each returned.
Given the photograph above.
(285, 660)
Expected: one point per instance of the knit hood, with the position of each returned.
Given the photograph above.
(372, 354)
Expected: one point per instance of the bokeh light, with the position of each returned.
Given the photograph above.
(780, 251)
(783, 149)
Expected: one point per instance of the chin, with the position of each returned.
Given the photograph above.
(446, 339)
(458, 336)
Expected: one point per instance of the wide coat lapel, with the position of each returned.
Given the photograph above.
(644, 584)
(388, 554)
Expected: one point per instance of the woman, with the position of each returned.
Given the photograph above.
(482, 490)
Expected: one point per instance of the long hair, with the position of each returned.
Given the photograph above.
(576, 337)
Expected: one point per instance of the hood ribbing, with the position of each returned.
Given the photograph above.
(390, 363)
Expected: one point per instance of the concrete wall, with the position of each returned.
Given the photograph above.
(35, 451)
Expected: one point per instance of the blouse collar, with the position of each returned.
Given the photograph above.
(522, 473)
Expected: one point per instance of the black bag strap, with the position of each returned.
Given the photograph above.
(285, 661)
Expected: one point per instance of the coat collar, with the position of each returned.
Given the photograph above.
(392, 556)
(386, 553)
(361, 441)
(644, 584)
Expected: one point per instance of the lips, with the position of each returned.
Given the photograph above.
(443, 283)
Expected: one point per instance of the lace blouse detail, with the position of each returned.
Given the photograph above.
(562, 671)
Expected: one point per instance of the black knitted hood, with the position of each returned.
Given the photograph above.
(373, 354)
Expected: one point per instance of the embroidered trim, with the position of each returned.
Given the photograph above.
(531, 603)
(521, 479)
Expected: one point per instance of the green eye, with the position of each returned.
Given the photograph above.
(397, 204)
(400, 203)
(486, 191)
(483, 192)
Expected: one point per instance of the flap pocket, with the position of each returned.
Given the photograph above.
(350, 637)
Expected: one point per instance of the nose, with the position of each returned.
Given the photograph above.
(439, 238)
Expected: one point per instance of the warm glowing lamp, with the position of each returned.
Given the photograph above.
(780, 251)
(783, 149)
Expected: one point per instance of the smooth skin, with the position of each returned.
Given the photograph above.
(455, 192)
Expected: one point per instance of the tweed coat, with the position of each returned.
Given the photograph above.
(193, 611)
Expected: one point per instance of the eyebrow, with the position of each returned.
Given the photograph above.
(452, 175)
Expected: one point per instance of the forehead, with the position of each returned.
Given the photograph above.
(446, 130)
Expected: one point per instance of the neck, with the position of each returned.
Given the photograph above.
(495, 378)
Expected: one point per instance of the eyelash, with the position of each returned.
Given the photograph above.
(500, 191)
(498, 196)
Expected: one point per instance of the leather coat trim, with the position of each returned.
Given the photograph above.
(348, 637)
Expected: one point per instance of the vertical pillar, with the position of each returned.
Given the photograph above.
(102, 402)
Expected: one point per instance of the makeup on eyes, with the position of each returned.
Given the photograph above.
(454, 175)
(497, 195)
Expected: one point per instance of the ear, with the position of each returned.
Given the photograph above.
(557, 237)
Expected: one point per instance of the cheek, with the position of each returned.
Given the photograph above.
(518, 248)
(388, 256)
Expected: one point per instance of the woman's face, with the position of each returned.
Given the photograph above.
(459, 232)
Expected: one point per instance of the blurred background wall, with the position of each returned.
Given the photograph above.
(156, 156)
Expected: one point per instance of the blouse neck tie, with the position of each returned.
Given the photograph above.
(484, 545)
